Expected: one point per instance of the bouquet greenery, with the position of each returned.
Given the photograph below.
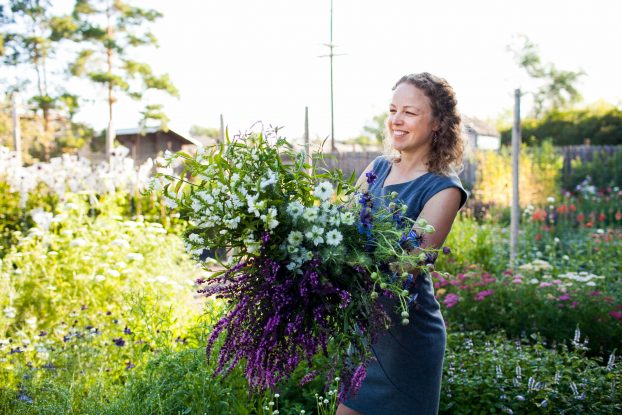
(308, 258)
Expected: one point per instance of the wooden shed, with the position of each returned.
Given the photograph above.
(152, 142)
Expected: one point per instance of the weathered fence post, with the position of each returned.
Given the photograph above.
(515, 212)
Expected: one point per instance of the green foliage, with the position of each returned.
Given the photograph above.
(604, 171)
(107, 60)
(488, 374)
(483, 244)
(557, 87)
(601, 124)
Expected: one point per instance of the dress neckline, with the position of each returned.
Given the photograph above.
(384, 186)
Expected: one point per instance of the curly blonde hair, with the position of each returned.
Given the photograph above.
(447, 143)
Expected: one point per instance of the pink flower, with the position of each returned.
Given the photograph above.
(545, 284)
(483, 294)
(451, 300)
(557, 282)
(564, 297)
(574, 304)
(595, 293)
(616, 314)
(517, 281)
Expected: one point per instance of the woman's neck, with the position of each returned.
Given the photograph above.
(414, 161)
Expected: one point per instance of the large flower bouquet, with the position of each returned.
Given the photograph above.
(307, 259)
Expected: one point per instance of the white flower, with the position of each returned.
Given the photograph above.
(134, 256)
(295, 238)
(311, 213)
(77, 242)
(171, 203)
(270, 218)
(334, 237)
(253, 205)
(233, 223)
(99, 278)
(120, 242)
(10, 312)
(550, 199)
(194, 238)
(295, 209)
(269, 180)
(323, 191)
(347, 218)
(113, 272)
(315, 235)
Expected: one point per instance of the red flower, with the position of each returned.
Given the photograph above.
(538, 236)
(539, 215)
(580, 217)
(601, 217)
(561, 209)
(618, 215)
(616, 314)
(572, 208)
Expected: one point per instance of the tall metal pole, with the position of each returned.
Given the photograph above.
(17, 132)
(515, 211)
(307, 144)
(332, 112)
(222, 130)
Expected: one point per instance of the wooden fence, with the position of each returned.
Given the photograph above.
(356, 162)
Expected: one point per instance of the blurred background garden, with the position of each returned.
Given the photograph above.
(98, 306)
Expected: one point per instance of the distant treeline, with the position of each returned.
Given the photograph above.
(596, 125)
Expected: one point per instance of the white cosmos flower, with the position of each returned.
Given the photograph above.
(295, 209)
(334, 237)
(295, 238)
(311, 213)
(347, 218)
(315, 235)
(323, 191)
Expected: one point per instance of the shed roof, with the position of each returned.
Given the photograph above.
(479, 126)
(153, 130)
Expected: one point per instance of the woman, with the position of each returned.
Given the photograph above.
(424, 127)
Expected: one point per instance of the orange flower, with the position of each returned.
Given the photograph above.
(589, 224)
(572, 208)
(618, 215)
(561, 209)
(539, 214)
(538, 236)
(580, 217)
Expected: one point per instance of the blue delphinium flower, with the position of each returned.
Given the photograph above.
(371, 177)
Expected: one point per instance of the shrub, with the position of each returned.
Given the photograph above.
(487, 374)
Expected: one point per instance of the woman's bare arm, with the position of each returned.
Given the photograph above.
(440, 212)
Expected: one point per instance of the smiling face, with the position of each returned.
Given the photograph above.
(411, 122)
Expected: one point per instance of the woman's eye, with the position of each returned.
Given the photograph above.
(410, 113)
(392, 111)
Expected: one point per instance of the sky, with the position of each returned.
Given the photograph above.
(260, 60)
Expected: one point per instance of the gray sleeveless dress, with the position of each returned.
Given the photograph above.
(405, 376)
